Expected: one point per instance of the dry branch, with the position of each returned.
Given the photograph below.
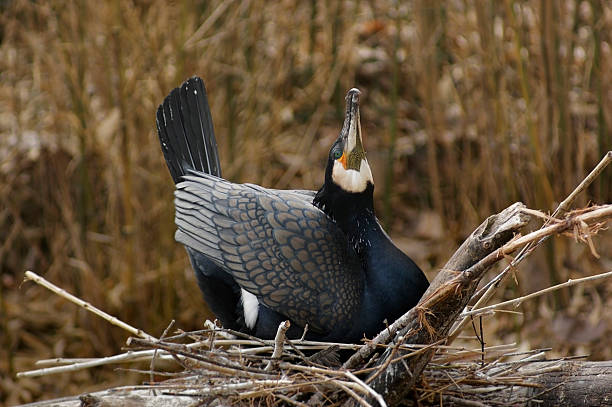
(279, 341)
(454, 377)
(518, 301)
(485, 293)
(479, 244)
(29, 275)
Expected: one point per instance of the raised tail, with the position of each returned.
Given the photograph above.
(187, 139)
(186, 133)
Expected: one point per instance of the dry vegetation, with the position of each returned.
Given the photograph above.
(478, 103)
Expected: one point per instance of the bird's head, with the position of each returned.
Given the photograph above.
(349, 185)
(347, 165)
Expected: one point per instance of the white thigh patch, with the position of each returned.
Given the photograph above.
(250, 306)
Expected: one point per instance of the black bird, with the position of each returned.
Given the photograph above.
(263, 256)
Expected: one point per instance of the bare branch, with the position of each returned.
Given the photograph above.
(29, 275)
(367, 388)
(518, 301)
(485, 293)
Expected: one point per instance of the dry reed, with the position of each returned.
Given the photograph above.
(467, 106)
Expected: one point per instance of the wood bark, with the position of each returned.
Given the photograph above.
(565, 383)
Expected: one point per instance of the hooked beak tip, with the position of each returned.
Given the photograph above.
(352, 96)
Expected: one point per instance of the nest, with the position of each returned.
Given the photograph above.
(225, 367)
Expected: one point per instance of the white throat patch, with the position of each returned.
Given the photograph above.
(352, 180)
(250, 306)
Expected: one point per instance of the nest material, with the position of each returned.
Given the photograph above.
(237, 371)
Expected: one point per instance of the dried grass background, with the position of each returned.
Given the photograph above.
(468, 106)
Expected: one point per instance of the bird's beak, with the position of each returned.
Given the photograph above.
(353, 151)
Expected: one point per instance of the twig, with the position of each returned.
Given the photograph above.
(480, 339)
(250, 384)
(279, 341)
(130, 355)
(518, 301)
(485, 293)
(291, 401)
(211, 326)
(71, 365)
(232, 369)
(343, 386)
(564, 206)
(29, 275)
(593, 214)
(62, 361)
(597, 213)
(304, 332)
(163, 335)
(367, 388)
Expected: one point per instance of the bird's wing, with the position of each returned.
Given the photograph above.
(276, 245)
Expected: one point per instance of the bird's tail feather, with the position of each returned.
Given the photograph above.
(186, 133)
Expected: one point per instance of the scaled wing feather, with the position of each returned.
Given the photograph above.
(276, 244)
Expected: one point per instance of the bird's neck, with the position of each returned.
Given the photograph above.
(352, 212)
(359, 228)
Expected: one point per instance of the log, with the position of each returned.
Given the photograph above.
(121, 396)
(564, 383)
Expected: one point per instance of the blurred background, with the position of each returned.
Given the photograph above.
(467, 107)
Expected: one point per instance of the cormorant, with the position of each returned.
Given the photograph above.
(262, 256)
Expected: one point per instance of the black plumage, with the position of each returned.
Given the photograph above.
(186, 131)
(319, 260)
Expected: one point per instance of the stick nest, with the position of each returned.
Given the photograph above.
(223, 366)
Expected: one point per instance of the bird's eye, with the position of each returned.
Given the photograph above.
(337, 154)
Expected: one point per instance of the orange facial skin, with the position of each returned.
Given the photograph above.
(343, 160)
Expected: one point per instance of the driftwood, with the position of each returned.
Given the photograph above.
(564, 383)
